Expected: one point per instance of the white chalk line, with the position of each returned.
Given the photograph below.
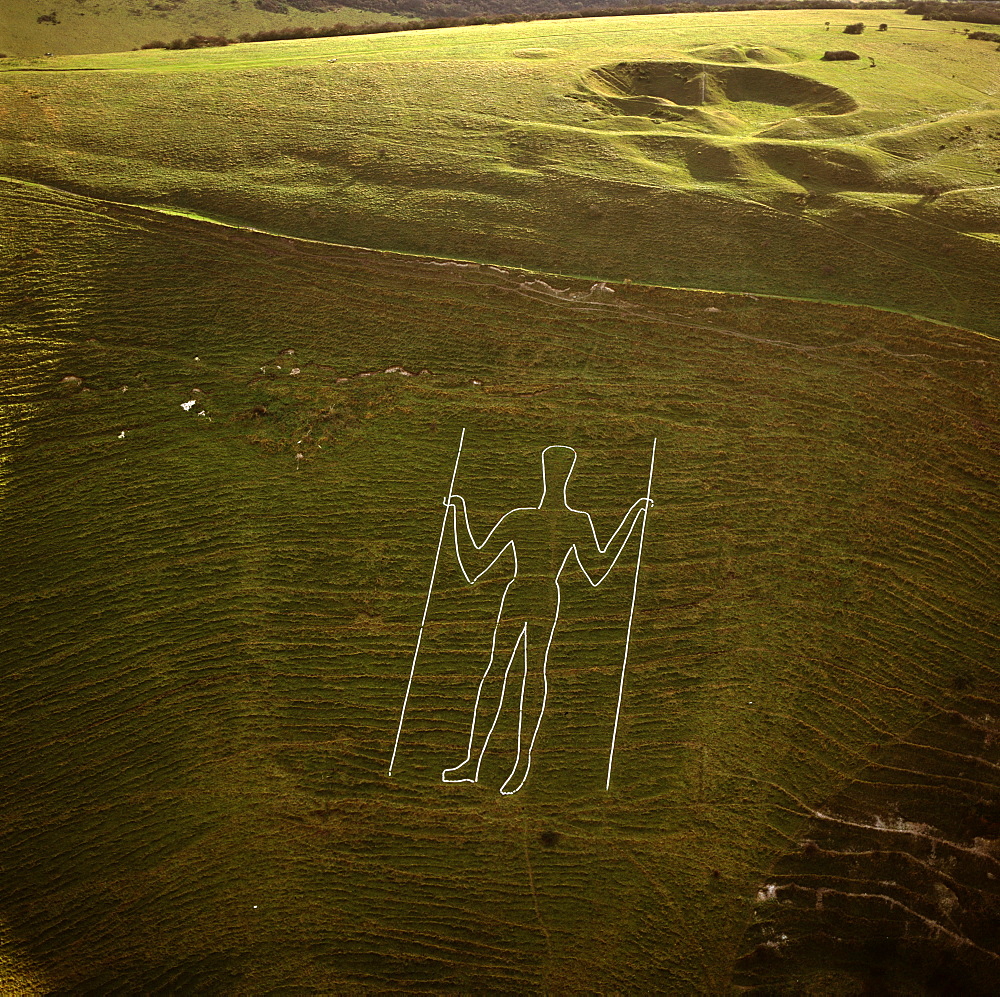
(427, 602)
(631, 614)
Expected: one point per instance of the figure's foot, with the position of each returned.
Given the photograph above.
(466, 772)
(516, 779)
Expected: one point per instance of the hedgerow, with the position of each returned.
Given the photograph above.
(970, 13)
(452, 20)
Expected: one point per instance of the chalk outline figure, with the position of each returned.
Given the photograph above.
(464, 771)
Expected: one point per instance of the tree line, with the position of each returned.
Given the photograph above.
(454, 20)
(430, 9)
(955, 10)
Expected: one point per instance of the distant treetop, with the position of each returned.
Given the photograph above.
(955, 10)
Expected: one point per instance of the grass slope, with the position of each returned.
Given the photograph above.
(118, 25)
(212, 635)
(649, 148)
(212, 617)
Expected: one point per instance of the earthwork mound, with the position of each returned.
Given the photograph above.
(744, 54)
(715, 97)
(536, 53)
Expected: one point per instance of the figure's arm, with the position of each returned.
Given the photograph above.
(475, 558)
(597, 561)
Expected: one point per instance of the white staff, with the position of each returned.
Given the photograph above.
(430, 589)
(631, 613)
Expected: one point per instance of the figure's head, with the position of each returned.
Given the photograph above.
(557, 466)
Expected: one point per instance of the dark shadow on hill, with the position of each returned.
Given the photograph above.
(895, 888)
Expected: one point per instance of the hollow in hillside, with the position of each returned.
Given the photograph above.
(739, 95)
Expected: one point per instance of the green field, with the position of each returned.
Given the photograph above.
(777, 188)
(592, 233)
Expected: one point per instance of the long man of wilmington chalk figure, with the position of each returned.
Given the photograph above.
(542, 539)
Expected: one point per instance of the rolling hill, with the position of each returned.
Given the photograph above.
(820, 180)
(255, 297)
(70, 27)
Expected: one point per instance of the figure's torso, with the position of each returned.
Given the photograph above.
(542, 540)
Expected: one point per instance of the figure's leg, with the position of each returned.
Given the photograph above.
(534, 693)
(489, 699)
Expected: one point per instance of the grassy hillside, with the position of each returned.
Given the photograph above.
(66, 27)
(212, 608)
(584, 148)
(213, 635)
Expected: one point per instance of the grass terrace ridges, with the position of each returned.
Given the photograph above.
(903, 854)
(211, 617)
(213, 635)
